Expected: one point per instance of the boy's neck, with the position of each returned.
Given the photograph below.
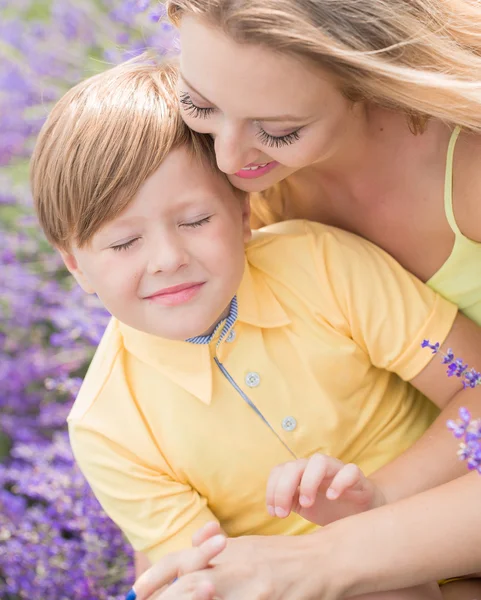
(224, 315)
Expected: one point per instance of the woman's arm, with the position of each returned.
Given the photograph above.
(434, 535)
(432, 460)
(419, 539)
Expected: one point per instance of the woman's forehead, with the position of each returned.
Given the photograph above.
(249, 80)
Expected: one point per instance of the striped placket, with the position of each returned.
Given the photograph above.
(225, 326)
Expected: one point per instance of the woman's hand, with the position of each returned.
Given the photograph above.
(251, 567)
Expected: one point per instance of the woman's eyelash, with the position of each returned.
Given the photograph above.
(269, 140)
(125, 246)
(193, 110)
(277, 141)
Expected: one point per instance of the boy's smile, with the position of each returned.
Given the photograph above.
(177, 294)
(171, 262)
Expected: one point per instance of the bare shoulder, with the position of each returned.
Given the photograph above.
(467, 185)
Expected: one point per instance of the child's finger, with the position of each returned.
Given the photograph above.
(186, 589)
(320, 469)
(199, 558)
(174, 565)
(206, 532)
(286, 487)
(274, 477)
(314, 474)
(349, 477)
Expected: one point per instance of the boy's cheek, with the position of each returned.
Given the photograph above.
(75, 269)
(84, 283)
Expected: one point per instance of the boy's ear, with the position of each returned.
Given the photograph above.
(246, 217)
(72, 265)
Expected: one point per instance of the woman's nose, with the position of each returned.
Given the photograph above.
(232, 150)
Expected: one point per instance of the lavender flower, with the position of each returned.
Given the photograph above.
(455, 366)
(465, 428)
(55, 540)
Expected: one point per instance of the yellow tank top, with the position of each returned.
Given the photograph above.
(459, 278)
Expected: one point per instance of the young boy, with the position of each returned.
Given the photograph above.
(226, 355)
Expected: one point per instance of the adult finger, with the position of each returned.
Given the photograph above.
(174, 565)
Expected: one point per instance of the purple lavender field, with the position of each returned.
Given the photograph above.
(55, 541)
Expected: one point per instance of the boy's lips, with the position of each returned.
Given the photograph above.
(176, 294)
(253, 170)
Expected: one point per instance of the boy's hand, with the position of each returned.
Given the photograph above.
(320, 489)
(160, 580)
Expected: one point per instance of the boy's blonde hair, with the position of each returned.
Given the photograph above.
(100, 143)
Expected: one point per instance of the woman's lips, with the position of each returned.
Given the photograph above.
(253, 171)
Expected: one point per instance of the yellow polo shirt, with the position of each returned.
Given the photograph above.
(173, 434)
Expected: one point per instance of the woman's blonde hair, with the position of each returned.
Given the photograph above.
(420, 57)
(101, 142)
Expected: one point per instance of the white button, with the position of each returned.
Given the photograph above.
(252, 379)
(230, 337)
(289, 424)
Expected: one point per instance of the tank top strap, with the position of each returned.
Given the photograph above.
(448, 182)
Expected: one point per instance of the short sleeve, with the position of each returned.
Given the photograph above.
(157, 514)
(386, 310)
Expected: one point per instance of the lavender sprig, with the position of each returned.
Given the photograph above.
(455, 366)
(466, 429)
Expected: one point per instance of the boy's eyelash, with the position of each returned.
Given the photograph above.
(193, 110)
(193, 225)
(277, 141)
(198, 223)
(125, 246)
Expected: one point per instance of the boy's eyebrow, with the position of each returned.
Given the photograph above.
(290, 118)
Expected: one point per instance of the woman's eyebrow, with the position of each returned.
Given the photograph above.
(194, 90)
(290, 118)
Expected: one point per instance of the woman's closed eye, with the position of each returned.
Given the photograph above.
(192, 109)
(273, 141)
(277, 141)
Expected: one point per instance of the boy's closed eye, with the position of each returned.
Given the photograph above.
(198, 223)
(125, 245)
(192, 225)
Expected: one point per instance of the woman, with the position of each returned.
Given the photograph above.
(363, 114)
(351, 108)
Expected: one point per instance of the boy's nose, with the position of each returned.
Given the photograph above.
(169, 256)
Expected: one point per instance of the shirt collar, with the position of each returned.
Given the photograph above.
(189, 363)
(258, 305)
